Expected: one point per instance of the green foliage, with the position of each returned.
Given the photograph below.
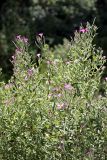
(55, 111)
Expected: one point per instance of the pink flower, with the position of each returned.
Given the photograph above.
(83, 30)
(30, 72)
(40, 35)
(56, 89)
(68, 62)
(59, 95)
(18, 37)
(25, 40)
(18, 50)
(49, 62)
(49, 95)
(14, 57)
(86, 30)
(104, 57)
(68, 86)
(61, 106)
(26, 78)
(8, 86)
(22, 39)
(9, 101)
(105, 78)
(38, 55)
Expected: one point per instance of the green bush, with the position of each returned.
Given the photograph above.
(54, 111)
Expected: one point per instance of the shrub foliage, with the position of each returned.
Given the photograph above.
(55, 110)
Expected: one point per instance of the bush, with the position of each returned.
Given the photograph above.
(55, 110)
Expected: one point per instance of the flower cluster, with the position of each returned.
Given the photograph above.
(83, 30)
(22, 39)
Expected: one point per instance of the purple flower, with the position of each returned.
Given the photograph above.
(14, 57)
(18, 50)
(9, 101)
(30, 72)
(18, 37)
(61, 106)
(56, 89)
(105, 78)
(83, 30)
(26, 78)
(68, 86)
(22, 39)
(40, 35)
(38, 55)
(59, 95)
(25, 40)
(49, 62)
(8, 86)
(86, 30)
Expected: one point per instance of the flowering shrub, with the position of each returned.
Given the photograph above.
(55, 110)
